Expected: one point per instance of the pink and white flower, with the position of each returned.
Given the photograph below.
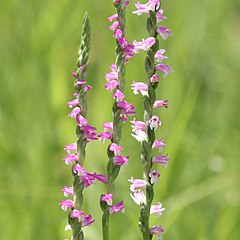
(74, 74)
(74, 112)
(114, 25)
(116, 149)
(160, 103)
(164, 32)
(77, 214)
(88, 178)
(159, 55)
(140, 136)
(70, 158)
(120, 160)
(154, 122)
(138, 125)
(107, 198)
(127, 48)
(113, 17)
(89, 132)
(155, 78)
(157, 230)
(79, 83)
(79, 170)
(125, 3)
(111, 85)
(113, 75)
(138, 197)
(112, 78)
(144, 45)
(119, 207)
(141, 8)
(113, 67)
(154, 175)
(165, 69)
(101, 177)
(159, 144)
(66, 204)
(137, 183)
(87, 220)
(87, 88)
(139, 87)
(108, 126)
(127, 108)
(104, 135)
(159, 15)
(151, 5)
(71, 147)
(118, 96)
(73, 103)
(118, 33)
(157, 209)
(81, 121)
(162, 159)
(67, 191)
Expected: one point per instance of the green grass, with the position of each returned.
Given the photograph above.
(200, 188)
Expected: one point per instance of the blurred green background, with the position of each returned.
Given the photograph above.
(38, 49)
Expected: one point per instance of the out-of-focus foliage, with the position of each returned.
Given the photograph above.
(200, 188)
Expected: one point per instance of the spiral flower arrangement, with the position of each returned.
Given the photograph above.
(144, 131)
(142, 190)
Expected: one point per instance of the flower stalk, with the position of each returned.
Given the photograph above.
(120, 109)
(145, 130)
(81, 75)
(76, 151)
(148, 102)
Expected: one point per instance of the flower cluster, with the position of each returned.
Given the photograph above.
(85, 178)
(143, 131)
(107, 199)
(118, 159)
(115, 81)
(76, 151)
(118, 28)
(121, 110)
(142, 192)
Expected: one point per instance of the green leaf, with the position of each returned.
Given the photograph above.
(146, 103)
(150, 194)
(146, 149)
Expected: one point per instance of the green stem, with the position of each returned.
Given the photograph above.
(82, 64)
(147, 145)
(112, 169)
(105, 225)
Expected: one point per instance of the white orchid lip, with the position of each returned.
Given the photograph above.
(154, 122)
